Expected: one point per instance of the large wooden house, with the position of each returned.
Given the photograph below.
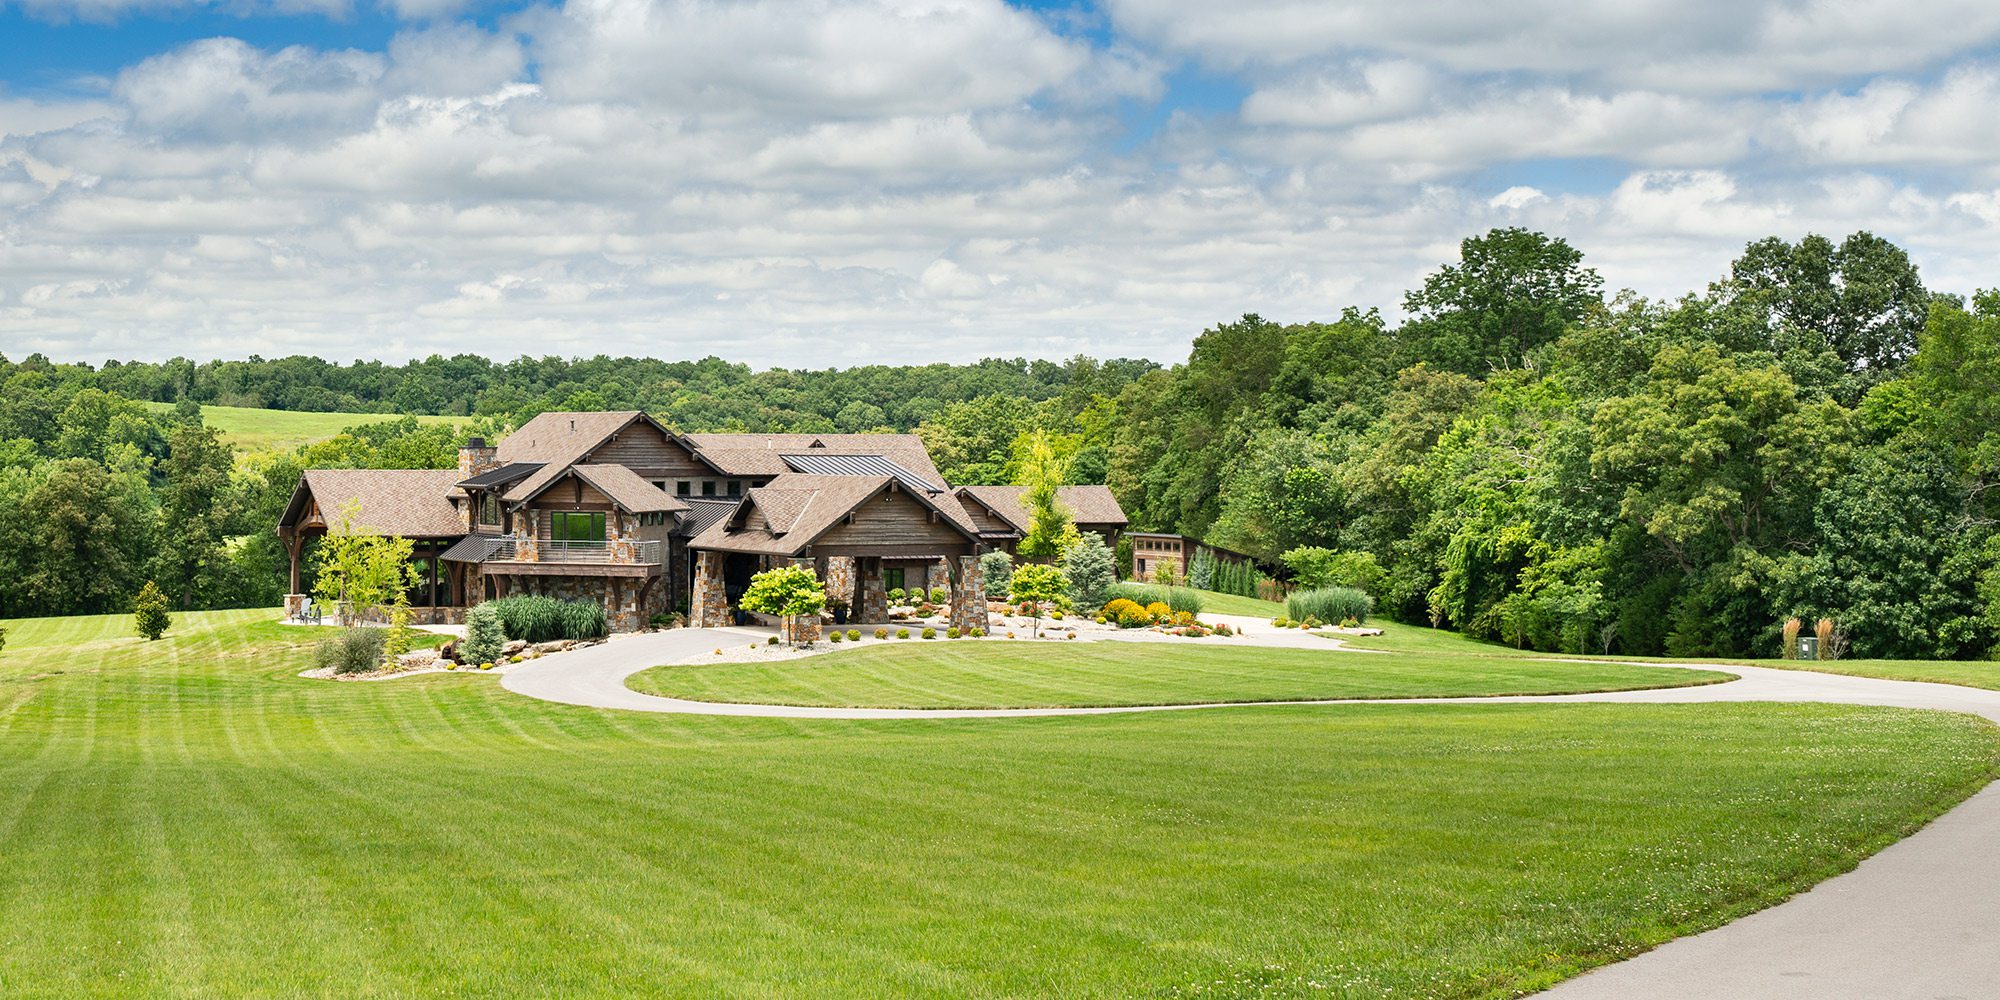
(617, 508)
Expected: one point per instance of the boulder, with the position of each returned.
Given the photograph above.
(513, 646)
(417, 659)
(449, 651)
(553, 646)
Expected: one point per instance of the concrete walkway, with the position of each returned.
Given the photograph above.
(1918, 921)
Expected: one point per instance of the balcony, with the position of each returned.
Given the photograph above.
(505, 553)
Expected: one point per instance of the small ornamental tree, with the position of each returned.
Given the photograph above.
(149, 612)
(1091, 572)
(1035, 585)
(1051, 530)
(361, 570)
(790, 592)
(1201, 570)
(401, 638)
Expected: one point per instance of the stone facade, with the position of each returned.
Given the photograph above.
(708, 599)
(968, 596)
(800, 631)
(476, 457)
(840, 580)
(873, 606)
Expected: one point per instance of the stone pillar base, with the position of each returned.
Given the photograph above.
(873, 604)
(708, 605)
(799, 631)
(968, 596)
(296, 604)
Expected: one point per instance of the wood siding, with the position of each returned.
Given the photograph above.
(895, 519)
(643, 449)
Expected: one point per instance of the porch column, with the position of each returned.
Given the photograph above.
(873, 606)
(708, 605)
(968, 596)
(840, 580)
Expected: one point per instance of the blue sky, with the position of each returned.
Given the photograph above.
(930, 179)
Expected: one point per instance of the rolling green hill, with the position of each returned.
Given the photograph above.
(257, 430)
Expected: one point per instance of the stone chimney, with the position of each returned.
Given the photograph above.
(476, 457)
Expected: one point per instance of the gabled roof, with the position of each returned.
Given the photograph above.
(411, 503)
(626, 489)
(704, 511)
(560, 440)
(799, 508)
(1086, 504)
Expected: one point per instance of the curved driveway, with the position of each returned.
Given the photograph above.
(1918, 921)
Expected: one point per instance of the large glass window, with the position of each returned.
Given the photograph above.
(489, 509)
(892, 579)
(577, 526)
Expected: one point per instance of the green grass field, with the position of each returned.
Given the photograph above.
(259, 430)
(998, 674)
(190, 819)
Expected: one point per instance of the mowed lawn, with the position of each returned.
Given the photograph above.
(255, 429)
(995, 673)
(189, 819)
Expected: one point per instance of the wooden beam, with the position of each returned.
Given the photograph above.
(915, 551)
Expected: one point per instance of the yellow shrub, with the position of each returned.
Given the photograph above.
(1116, 609)
(1159, 611)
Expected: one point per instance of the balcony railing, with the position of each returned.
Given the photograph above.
(504, 549)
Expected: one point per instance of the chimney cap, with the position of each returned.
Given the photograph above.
(478, 442)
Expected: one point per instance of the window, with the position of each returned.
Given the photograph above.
(736, 487)
(489, 509)
(708, 487)
(892, 579)
(684, 488)
(576, 526)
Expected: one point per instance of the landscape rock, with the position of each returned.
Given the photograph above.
(513, 646)
(417, 658)
(552, 646)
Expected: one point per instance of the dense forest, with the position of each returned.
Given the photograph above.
(1522, 458)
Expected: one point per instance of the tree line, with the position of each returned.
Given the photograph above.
(1522, 457)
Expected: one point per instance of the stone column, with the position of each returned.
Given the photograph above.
(873, 607)
(708, 602)
(968, 596)
(840, 580)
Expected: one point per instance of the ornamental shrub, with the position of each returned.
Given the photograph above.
(977, 632)
(881, 633)
(771, 640)
(854, 635)
(930, 633)
(149, 612)
(1134, 616)
(1223, 629)
(902, 633)
(1176, 598)
(1330, 604)
(1159, 611)
(537, 618)
(484, 634)
(352, 650)
(1091, 571)
(836, 636)
(950, 633)
(898, 595)
(997, 568)
(939, 595)
(1119, 608)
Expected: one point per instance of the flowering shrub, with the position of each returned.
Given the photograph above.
(1159, 611)
(1223, 629)
(1115, 611)
(1134, 617)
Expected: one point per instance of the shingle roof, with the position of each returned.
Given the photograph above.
(626, 489)
(558, 440)
(1086, 504)
(799, 507)
(763, 454)
(412, 503)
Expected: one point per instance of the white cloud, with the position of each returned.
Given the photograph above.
(950, 179)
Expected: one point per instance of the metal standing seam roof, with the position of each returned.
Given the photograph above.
(502, 475)
(858, 465)
(702, 512)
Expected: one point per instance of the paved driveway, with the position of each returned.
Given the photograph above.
(1918, 921)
